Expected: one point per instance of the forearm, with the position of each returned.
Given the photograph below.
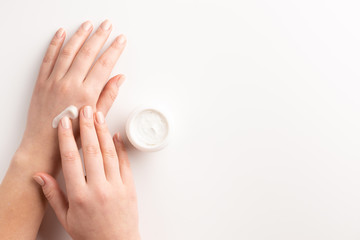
(22, 203)
(60, 84)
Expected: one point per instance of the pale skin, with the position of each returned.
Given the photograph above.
(69, 75)
(103, 205)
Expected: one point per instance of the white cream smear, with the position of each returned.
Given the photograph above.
(149, 128)
(71, 112)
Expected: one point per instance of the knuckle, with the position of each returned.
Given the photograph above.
(113, 94)
(79, 198)
(47, 58)
(55, 76)
(79, 33)
(103, 196)
(69, 156)
(89, 124)
(100, 32)
(91, 149)
(89, 93)
(49, 194)
(105, 62)
(101, 129)
(116, 45)
(109, 153)
(87, 51)
(66, 133)
(67, 52)
(63, 87)
(53, 43)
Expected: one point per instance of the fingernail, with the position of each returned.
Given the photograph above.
(100, 117)
(120, 81)
(60, 33)
(88, 112)
(121, 39)
(86, 25)
(117, 137)
(65, 122)
(39, 180)
(105, 25)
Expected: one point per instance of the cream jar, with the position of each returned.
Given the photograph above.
(147, 129)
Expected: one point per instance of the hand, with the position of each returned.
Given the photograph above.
(103, 205)
(67, 77)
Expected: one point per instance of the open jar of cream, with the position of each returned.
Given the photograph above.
(147, 129)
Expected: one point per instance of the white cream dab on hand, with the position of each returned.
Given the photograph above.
(71, 112)
(147, 129)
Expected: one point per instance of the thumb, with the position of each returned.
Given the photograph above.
(53, 194)
(108, 95)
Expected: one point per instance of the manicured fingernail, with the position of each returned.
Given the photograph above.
(86, 25)
(100, 117)
(106, 25)
(65, 122)
(60, 33)
(121, 39)
(88, 112)
(39, 180)
(120, 81)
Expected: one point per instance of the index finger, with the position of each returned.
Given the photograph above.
(100, 72)
(70, 158)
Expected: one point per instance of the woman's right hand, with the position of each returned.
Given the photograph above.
(103, 205)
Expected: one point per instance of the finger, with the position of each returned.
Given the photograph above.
(124, 164)
(54, 195)
(102, 68)
(87, 54)
(111, 163)
(70, 158)
(91, 149)
(108, 95)
(70, 50)
(51, 54)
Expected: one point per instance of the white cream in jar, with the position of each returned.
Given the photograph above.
(147, 129)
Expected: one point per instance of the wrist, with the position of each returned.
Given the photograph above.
(37, 156)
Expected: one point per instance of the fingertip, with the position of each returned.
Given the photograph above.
(87, 112)
(39, 180)
(119, 141)
(99, 118)
(65, 123)
(106, 25)
(87, 25)
(53, 194)
(117, 137)
(120, 80)
(65, 130)
(60, 33)
(121, 39)
(42, 178)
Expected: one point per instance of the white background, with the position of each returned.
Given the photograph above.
(264, 98)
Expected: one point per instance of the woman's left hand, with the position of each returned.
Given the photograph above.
(69, 76)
